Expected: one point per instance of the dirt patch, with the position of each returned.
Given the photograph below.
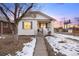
(9, 45)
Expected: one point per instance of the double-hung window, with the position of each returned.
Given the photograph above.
(27, 25)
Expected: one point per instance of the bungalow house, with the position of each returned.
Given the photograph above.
(33, 21)
(4, 26)
(71, 28)
(29, 25)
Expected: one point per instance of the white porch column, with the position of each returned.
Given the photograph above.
(52, 28)
(34, 25)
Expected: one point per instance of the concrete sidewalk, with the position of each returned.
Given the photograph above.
(40, 49)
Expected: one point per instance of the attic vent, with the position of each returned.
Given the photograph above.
(30, 15)
(33, 15)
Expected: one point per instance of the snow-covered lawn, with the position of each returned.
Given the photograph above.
(68, 36)
(63, 46)
(27, 50)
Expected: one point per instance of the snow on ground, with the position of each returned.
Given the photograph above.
(63, 46)
(2, 37)
(68, 36)
(27, 50)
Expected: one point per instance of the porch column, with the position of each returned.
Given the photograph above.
(52, 28)
(1, 28)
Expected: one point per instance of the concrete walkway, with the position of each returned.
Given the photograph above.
(40, 49)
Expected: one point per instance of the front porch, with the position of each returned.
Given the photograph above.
(45, 27)
(42, 24)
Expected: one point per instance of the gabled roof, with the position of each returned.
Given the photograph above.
(5, 20)
(30, 12)
(38, 12)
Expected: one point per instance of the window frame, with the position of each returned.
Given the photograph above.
(24, 25)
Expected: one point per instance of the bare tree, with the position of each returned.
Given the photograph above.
(16, 10)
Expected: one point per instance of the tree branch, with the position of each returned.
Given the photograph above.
(8, 19)
(19, 11)
(5, 14)
(15, 13)
(7, 8)
(24, 13)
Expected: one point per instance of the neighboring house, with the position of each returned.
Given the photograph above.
(4, 26)
(33, 21)
(72, 28)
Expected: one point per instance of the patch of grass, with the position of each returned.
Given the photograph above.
(11, 45)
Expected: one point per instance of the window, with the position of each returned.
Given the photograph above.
(27, 25)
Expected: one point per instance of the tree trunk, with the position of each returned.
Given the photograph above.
(10, 27)
(16, 31)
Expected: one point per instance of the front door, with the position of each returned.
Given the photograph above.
(42, 24)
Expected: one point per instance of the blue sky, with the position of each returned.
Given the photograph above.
(60, 11)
